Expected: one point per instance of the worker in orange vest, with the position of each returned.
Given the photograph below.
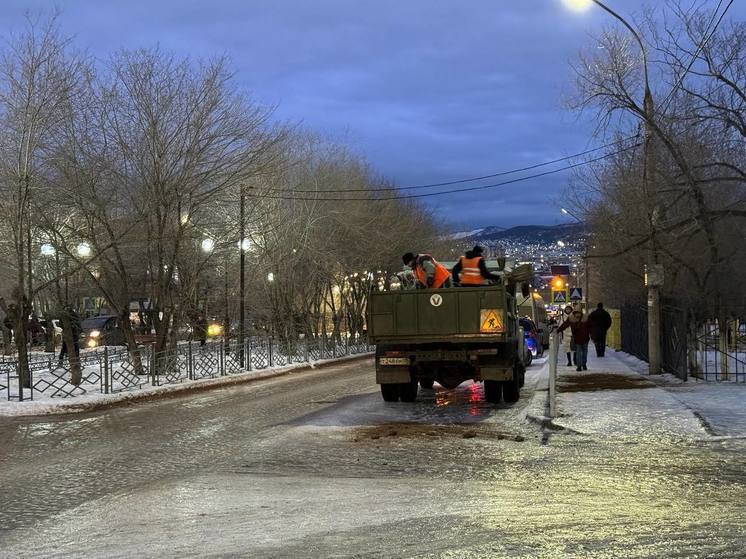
(429, 272)
(471, 269)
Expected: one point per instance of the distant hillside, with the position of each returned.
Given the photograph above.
(525, 233)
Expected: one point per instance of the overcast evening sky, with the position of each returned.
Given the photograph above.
(425, 90)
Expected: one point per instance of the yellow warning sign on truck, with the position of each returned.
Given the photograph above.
(491, 321)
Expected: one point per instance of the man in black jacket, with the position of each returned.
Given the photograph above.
(471, 269)
(600, 322)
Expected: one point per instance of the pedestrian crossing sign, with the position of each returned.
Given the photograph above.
(576, 294)
(490, 321)
(559, 297)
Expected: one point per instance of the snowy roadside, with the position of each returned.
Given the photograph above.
(615, 399)
(94, 400)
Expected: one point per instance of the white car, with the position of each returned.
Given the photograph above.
(57, 327)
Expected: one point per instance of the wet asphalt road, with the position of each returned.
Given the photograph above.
(316, 465)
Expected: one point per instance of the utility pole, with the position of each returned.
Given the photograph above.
(226, 315)
(242, 281)
(654, 272)
(586, 273)
(30, 277)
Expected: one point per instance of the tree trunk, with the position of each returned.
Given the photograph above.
(73, 357)
(19, 334)
(49, 342)
(723, 347)
(134, 351)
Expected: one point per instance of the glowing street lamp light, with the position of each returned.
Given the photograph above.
(561, 243)
(208, 245)
(244, 245)
(47, 250)
(578, 5)
(84, 250)
(270, 277)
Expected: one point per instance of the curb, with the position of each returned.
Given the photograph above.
(175, 390)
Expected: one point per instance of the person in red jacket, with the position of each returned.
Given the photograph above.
(581, 333)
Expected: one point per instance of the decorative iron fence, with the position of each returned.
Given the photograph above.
(687, 350)
(634, 330)
(716, 358)
(111, 370)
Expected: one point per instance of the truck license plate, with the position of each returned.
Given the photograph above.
(393, 361)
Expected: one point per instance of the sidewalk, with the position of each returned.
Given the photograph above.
(613, 400)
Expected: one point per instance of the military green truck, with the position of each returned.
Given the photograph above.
(450, 336)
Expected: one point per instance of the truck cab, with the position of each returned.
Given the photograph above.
(450, 335)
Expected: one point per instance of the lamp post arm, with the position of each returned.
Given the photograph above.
(637, 37)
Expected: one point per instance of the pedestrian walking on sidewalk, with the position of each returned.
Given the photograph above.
(600, 322)
(568, 347)
(581, 334)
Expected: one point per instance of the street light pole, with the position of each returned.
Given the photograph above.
(30, 278)
(242, 280)
(654, 275)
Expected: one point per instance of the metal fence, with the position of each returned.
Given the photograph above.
(110, 370)
(714, 359)
(686, 351)
(634, 330)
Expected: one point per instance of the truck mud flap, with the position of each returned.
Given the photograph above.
(389, 375)
(496, 373)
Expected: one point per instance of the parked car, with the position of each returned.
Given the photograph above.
(102, 330)
(531, 335)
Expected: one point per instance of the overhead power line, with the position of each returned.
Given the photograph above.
(428, 194)
(705, 39)
(458, 181)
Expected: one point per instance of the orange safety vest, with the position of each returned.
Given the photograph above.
(470, 274)
(441, 274)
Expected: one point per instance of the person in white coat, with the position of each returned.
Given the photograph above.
(566, 336)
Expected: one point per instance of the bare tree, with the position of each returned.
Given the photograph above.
(38, 82)
(686, 215)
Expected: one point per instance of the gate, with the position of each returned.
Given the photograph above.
(634, 331)
(674, 331)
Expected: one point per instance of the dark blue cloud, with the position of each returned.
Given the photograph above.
(426, 90)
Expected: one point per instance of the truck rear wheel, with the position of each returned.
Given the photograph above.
(512, 388)
(408, 391)
(427, 383)
(390, 392)
(492, 391)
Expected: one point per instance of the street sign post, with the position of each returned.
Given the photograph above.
(559, 297)
(576, 294)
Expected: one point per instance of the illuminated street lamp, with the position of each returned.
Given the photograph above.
(270, 277)
(561, 244)
(84, 250)
(578, 5)
(244, 245)
(48, 250)
(208, 245)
